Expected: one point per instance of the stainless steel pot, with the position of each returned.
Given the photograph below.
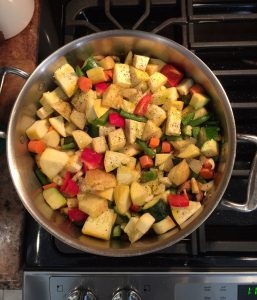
(117, 42)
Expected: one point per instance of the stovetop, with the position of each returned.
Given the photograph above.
(224, 35)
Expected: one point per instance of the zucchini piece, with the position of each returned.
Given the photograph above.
(54, 198)
(116, 232)
(149, 176)
(210, 148)
(198, 100)
(157, 208)
(181, 214)
(164, 225)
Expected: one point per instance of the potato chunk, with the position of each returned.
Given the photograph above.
(140, 62)
(111, 97)
(97, 75)
(98, 180)
(121, 75)
(116, 139)
(52, 162)
(100, 227)
(156, 114)
(99, 144)
(156, 81)
(37, 130)
(66, 78)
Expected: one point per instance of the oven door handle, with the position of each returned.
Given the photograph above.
(251, 197)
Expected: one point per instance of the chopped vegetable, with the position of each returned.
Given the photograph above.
(79, 72)
(196, 88)
(50, 185)
(93, 130)
(71, 189)
(91, 159)
(133, 146)
(89, 63)
(186, 119)
(41, 177)
(54, 198)
(206, 173)
(116, 232)
(173, 75)
(148, 175)
(199, 121)
(115, 119)
(166, 147)
(36, 146)
(178, 200)
(101, 88)
(102, 120)
(154, 142)
(146, 161)
(143, 105)
(145, 148)
(108, 74)
(158, 209)
(76, 215)
(127, 115)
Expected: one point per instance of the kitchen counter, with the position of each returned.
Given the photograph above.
(20, 52)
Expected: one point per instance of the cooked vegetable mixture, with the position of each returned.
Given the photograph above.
(125, 148)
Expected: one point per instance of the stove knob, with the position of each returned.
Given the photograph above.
(126, 294)
(79, 293)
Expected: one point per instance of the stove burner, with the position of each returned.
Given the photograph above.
(224, 35)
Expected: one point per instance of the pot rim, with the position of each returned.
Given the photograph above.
(231, 140)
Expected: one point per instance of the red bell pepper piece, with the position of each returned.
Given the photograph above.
(101, 88)
(71, 189)
(91, 159)
(116, 120)
(142, 105)
(135, 208)
(65, 182)
(206, 173)
(84, 83)
(196, 88)
(178, 200)
(76, 215)
(173, 74)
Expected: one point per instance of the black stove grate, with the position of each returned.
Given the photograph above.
(224, 35)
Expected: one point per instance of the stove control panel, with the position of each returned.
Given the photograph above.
(80, 293)
(139, 286)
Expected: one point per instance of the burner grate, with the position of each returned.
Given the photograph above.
(165, 17)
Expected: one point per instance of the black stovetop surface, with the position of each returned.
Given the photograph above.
(224, 35)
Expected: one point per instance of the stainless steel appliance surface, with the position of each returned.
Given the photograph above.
(142, 286)
(218, 260)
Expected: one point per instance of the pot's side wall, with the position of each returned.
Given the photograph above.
(115, 43)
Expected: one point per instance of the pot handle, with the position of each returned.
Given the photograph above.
(3, 72)
(251, 197)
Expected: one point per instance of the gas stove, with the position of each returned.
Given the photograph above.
(218, 260)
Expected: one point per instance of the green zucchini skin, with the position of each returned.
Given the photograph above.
(159, 210)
